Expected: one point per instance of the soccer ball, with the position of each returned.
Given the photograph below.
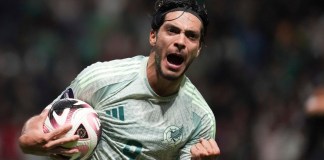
(85, 122)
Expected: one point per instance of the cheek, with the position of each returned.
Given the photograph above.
(162, 45)
(194, 52)
(193, 47)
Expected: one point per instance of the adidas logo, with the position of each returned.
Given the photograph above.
(117, 113)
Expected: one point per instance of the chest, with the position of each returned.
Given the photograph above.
(146, 125)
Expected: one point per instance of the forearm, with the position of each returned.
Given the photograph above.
(25, 146)
(23, 130)
(25, 140)
(33, 140)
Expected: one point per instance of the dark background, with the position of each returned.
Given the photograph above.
(261, 61)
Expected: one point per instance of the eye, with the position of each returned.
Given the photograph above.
(172, 30)
(192, 35)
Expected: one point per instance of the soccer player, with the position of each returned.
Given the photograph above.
(148, 108)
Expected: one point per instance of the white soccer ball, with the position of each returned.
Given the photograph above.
(85, 122)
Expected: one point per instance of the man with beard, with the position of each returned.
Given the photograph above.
(158, 112)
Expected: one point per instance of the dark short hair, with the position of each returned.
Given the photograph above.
(162, 7)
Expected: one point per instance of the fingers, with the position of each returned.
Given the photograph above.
(57, 138)
(202, 147)
(210, 146)
(63, 154)
(194, 151)
(59, 132)
(205, 148)
(34, 141)
(214, 146)
(64, 151)
(197, 150)
(60, 141)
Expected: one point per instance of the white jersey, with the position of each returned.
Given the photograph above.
(136, 122)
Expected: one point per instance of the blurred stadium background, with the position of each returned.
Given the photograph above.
(262, 60)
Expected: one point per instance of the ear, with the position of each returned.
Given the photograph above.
(198, 52)
(153, 37)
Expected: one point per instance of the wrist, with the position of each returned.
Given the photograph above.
(22, 141)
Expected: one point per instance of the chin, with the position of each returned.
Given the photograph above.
(166, 73)
(172, 76)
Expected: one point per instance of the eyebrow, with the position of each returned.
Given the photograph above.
(168, 25)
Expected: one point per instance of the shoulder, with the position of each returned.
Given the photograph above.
(114, 71)
(103, 74)
(198, 103)
(200, 109)
(112, 66)
(193, 93)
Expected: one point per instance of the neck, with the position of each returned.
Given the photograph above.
(160, 85)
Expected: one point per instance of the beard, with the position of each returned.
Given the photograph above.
(158, 67)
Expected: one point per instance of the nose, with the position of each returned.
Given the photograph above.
(180, 42)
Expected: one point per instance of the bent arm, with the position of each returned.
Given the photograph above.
(202, 144)
(34, 141)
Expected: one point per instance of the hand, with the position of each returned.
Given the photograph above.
(205, 150)
(33, 140)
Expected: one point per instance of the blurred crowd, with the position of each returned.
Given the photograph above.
(262, 61)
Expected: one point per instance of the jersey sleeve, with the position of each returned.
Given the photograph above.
(203, 120)
(79, 87)
(206, 130)
(110, 75)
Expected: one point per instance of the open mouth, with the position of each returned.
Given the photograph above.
(175, 59)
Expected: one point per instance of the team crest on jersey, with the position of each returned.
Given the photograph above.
(173, 135)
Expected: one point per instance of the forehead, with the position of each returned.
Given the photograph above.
(183, 19)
